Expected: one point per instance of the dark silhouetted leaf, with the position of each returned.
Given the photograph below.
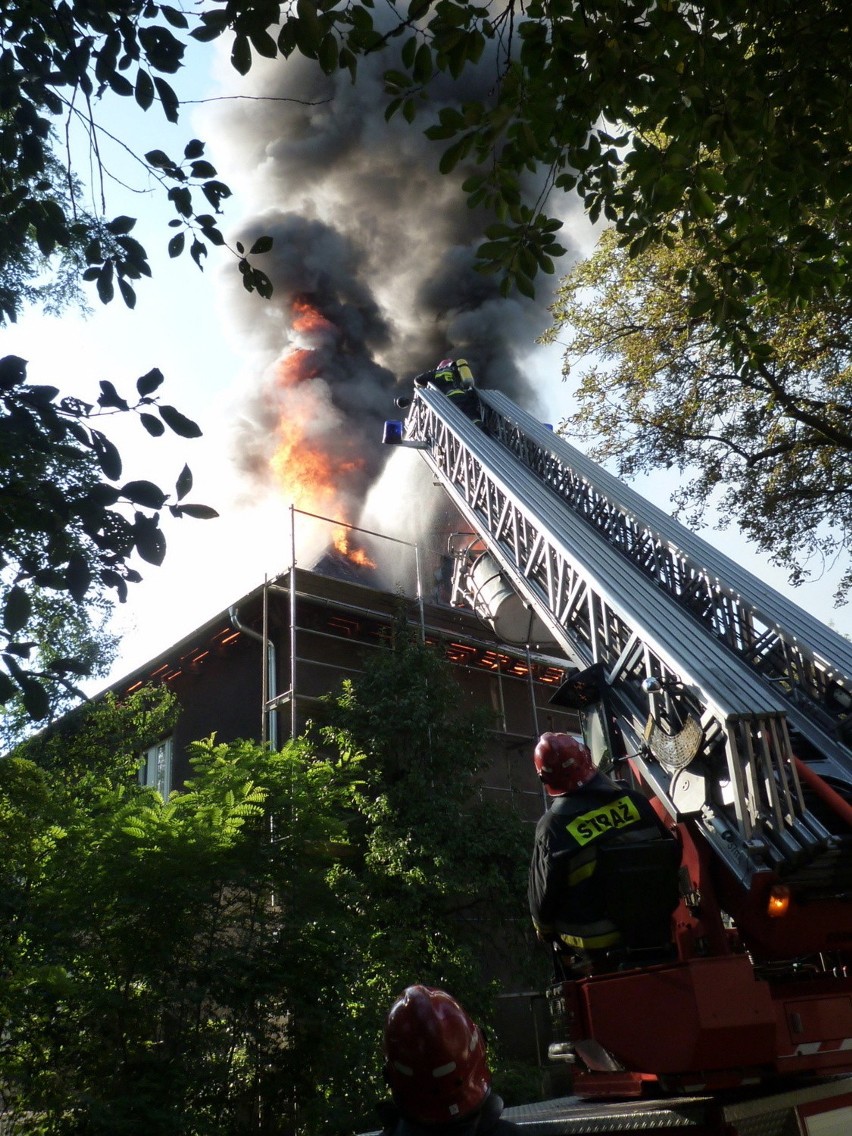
(146, 384)
(152, 424)
(16, 610)
(168, 98)
(109, 459)
(184, 483)
(149, 540)
(36, 701)
(8, 689)
(78, 576)
(179, 423)
(104, 283)
(262, 244)
(198, 512)
(144, 493)
(144, 89)
(127, 292)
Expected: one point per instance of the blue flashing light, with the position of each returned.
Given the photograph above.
(393, 433)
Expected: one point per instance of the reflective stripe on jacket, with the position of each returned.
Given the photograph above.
(564, 897)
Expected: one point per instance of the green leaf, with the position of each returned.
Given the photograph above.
(8, 689)
(524, 284)
(328, 54)
(454, 154)
(409, 50)
(16, 610)
(121, 225)
(66, 666)
(262, 244)
(397, 79)
(702, 202)
(263, 43)
(36, 701)
(422, 69)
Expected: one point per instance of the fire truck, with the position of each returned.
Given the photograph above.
(731, 708)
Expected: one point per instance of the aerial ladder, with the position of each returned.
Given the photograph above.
(731, 707)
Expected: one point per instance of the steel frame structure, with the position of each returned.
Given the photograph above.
(631, 594)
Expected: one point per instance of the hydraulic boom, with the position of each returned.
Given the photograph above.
(728, 703)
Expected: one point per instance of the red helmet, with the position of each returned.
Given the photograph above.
(442, 366)
(563, 763)
(434, 1057)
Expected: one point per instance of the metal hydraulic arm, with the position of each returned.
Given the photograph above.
(808, 663)
(619, 584)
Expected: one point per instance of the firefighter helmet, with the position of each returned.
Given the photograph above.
(563, 763)
(434, 1057)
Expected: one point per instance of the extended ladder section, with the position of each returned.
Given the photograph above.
(735, 668)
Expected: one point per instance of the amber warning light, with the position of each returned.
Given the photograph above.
(779, 901)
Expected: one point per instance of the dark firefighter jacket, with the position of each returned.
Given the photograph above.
(456, 382)
(564, 897)
(486, 1121)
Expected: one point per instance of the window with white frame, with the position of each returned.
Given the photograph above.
(156, 768)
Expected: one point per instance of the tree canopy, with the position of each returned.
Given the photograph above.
(158, 959)
(435, 879)
(224, 960)
(732, 115)
(60, 629)
(70, 526)
(764, 438)
(57, 62)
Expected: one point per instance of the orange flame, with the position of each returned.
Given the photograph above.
(295, 368)
(306, 319)
(341, 541)
(310, 461)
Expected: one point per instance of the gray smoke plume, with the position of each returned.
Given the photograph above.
(369, 234)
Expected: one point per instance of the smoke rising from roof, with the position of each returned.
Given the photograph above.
(371, 235)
